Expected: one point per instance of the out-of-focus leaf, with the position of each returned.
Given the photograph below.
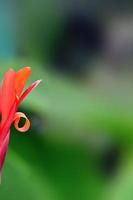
(20, 181)
(49, 171)
(121, 187)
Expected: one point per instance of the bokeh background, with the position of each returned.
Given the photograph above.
(80, 145)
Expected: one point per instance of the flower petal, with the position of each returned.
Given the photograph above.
(3, 150)
(17, 118)
(30, 88)
(21, 78)
(7, 94)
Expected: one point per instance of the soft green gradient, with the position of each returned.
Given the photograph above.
(80, 145)
(59, 158)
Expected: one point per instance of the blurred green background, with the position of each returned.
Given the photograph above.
(80, 145)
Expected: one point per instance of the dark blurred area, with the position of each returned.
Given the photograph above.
(80, 145)
(81, 38)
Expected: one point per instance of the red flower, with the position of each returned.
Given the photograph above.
(11, 96)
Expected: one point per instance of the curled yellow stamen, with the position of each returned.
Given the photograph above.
(17, 118)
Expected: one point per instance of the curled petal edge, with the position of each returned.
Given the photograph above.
(17, 119)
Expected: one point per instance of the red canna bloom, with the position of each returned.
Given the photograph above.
(11, 96)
